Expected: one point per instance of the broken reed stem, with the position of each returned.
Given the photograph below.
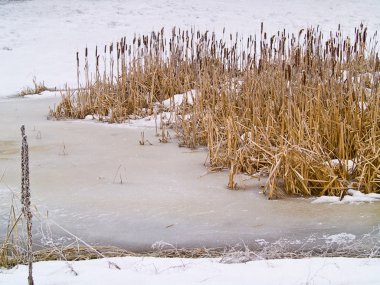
(25, 200)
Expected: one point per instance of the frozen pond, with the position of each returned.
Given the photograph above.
(165, 195)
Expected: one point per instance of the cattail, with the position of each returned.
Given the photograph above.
(303, 77)
(25, 200)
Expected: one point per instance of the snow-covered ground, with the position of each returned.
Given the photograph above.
(39, 38)
(148, 270)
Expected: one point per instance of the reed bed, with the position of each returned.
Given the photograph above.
(301, 108)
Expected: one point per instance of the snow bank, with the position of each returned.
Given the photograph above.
(140, 270)
(353, 196)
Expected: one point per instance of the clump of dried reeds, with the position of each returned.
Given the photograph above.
(302, 108)
(10, 250)
(38, 87)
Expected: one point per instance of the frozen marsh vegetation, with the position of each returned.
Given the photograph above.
(166, 193)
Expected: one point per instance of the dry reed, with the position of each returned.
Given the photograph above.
(36, 89)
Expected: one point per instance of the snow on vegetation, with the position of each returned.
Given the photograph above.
(178, 99)
(348, 164)
(353, 196)
(342, 238)
(164, 112)
(149, 270)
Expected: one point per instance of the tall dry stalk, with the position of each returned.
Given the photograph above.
(25, 200)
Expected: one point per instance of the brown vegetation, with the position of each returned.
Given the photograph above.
(302, 108)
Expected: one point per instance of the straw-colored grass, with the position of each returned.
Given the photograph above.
(302, 108)
(38, 87)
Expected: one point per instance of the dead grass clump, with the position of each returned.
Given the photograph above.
(36, 89)
(10, 250)
(302, 108)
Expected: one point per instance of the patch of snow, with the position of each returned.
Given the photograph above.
(91, 117)
(246, 136)
(358, 199)
(373, 195)
(178, 99)
(342, 238)
(262, 242)
(326, 199)
(348, 164)
(345, 75)
(158, 118)
(357, 196)
(43, 95)
(353, 197)
(363, 106)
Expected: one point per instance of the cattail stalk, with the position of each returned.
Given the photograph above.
(25, 200)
